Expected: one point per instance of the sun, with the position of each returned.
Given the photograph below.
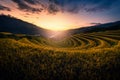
(56, 22)
(56, 25)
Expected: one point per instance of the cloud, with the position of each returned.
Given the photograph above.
(45, 5)
(52, 8)
(23, 6)
(73, 6)
(85, 5)
(31, 1)
(95, 23)
(4, 8)
(101, 5)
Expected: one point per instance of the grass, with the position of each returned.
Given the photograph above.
(91, 56)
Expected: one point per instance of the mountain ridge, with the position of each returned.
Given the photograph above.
(97, 28)
(17, 26)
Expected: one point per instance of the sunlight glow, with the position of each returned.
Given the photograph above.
(56, 22)
(54, 35)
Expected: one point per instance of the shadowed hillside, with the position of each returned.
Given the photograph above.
(97, 28)
(17, 26)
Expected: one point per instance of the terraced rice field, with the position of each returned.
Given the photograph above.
(78, 42)
(90, 56)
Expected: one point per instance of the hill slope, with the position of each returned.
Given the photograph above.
(98, 28)
(17, 26)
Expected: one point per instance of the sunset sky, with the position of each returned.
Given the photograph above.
(62, 14)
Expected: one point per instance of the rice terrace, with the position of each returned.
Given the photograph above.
(59, 40)
(83, 56)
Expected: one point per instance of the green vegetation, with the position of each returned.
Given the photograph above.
(90, 56)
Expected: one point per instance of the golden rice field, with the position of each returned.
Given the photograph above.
(84, 56)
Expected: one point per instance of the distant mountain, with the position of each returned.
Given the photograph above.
(17, 26)
(97, 28)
